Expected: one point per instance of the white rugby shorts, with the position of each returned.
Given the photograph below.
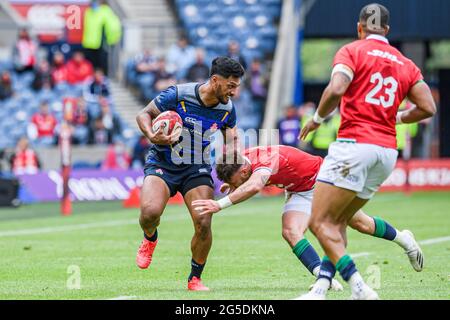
(299, 201)
(358, 167)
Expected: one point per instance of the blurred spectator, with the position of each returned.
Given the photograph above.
(199, 71)
(98, 88)
(79, 70)
(248, 116)
(43, 77)
(406, 132)
(145, 66)
(117, 157)
(25, 52)
(289, 127)
(59, 69)
(146, 62)
(163, 79)
(140, 152)
(45, 124)
(180, 57)
(101, 27)
(258, 84)
(106, 126)
(24, 160)
(234, 52)
(77, 116)
(319, 140)
(6, 89)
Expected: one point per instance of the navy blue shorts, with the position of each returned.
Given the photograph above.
(180, 178)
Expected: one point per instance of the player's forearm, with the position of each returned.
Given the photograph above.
(329, 101)
(244, 193)
(414, 115)
(144, 121)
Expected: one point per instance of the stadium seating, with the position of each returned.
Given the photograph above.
(16, 112)
(211, 24)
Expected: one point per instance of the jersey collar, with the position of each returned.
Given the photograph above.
(378, 37)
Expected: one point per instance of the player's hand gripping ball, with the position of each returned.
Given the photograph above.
(171, 122)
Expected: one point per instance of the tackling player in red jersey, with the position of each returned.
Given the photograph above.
(295, 171)
(371, 79)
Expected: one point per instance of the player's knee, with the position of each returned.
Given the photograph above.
(203, 227)
(150, 213)
(291, 234)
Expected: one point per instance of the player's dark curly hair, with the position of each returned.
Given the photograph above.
(227, 165)
(227, 67)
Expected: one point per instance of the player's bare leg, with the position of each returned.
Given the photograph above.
(379, 228)
(202, 239)
(154, 196)
(332, 208)
(295, 224)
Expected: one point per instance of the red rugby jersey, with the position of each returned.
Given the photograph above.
(291, 168)
(382, 80)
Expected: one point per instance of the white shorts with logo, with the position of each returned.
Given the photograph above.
(358, 167)
(299, 201)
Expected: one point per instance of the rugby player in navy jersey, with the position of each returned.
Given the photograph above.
(181, 164)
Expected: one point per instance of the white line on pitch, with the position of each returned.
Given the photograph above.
(75, 227)
(360, 254)
(123, 298)
(67, 228)
(433, 241)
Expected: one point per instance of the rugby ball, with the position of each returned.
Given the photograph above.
(171, 122)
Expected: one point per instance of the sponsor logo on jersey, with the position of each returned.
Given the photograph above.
(160, 172)
(190, 120)
(384, 54)
(203, 170)
(214, 127)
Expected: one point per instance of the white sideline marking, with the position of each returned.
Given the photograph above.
(75, 227)
(124, 298)
(360, 254)
(67, 228)
(433, 241)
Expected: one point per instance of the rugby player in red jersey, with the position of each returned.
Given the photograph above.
(370, 78)
(295, 171)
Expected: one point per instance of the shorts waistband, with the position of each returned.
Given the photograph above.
(346, 140)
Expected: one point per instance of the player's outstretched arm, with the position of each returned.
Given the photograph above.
(144, 121)
(340, 81)
(425, 107)
(251, 187)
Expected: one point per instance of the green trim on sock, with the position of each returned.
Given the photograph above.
(380, 227)
(300, 247)
(325, 258)
(343, 263)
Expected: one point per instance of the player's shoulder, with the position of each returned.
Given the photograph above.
(352, 46)
(186, 91)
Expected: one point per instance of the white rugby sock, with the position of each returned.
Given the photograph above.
(357, 283)
(321, 287)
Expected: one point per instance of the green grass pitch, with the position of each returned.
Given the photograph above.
(42, 252)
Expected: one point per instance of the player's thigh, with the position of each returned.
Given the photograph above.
(154, 195)
(377, 174)
(297, 210)
(329, 203)
(295, 222)
(201, 192)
